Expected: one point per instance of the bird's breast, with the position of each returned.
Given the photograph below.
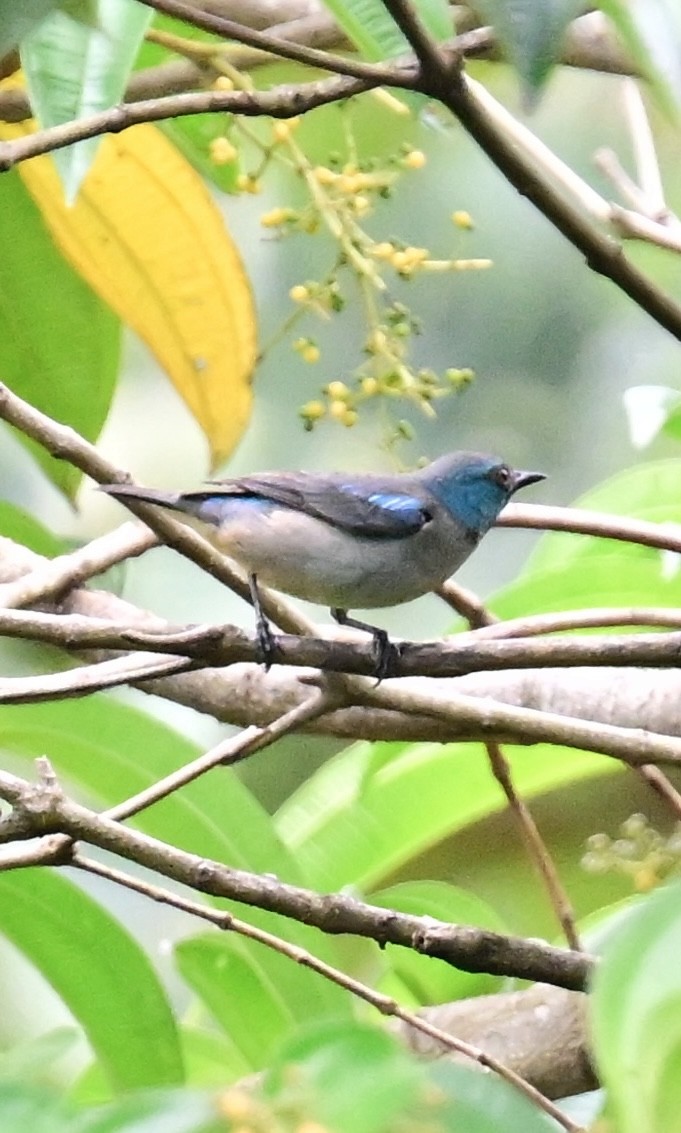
(311, 559)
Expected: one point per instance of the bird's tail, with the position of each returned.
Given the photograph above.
(176, 501)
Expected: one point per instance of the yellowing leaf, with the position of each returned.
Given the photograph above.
(146, 235)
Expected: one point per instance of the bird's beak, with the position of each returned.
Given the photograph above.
(522, 479)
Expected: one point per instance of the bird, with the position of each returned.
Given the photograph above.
(348, 540)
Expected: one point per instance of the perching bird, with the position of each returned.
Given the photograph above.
(349, 540)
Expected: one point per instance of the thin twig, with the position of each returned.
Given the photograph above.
(580, 521)
(226, 753)
(63, 573)
(598, 617)
(283, 48)
(536, 847)
(467, 604)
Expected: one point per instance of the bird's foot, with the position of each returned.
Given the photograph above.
(386, 653)
(267, 643)
(387, 656)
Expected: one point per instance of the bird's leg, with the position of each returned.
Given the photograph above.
(386, 653)
(266, 642)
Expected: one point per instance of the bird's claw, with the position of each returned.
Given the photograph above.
(267, 643)
(387, 656)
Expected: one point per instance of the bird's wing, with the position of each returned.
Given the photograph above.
(354, 505)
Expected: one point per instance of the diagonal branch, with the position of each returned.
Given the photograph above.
(47, 811)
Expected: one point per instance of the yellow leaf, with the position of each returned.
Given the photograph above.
(146, 235)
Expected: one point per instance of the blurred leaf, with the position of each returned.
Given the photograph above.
(19, 525)
(17, 19)
(531, 33)
(649, 409)
(374, 807)
(59, 344)
(350, 1077)
(358, 1079)
(211, 1058)
(99, 971)
(147, 237)
(76, 63)
(376, 35)
(461, 1098)
(33, 1060)
(157, 1111)
(24, 1108)
(431, 981)
(636, 1007)
(647, 491)
(651, 33)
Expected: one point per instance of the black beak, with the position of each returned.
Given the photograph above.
(522, 479)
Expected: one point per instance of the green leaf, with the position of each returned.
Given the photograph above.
(647, 491)
(430, 981)
(211, 1059)
(245, 999)
(612, 580)
(99, 971)
(16, 20)
(636, 1008)
(651, 33)
(374, 807)
(376, 35)
(531, 33)
(59, 345)
(77, 62)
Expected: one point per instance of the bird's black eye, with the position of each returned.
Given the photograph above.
(501, 476)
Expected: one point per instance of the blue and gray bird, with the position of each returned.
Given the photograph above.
(349, 540)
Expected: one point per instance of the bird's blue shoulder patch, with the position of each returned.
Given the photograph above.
(402, 508)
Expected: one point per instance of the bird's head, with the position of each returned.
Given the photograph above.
(475, 487)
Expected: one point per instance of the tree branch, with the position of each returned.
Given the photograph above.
(47, 811)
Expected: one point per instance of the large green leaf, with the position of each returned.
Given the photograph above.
(636, 1007)
(77, 62)
(59, 345)
(255, 1018)
(99, 971)
(374, 807)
